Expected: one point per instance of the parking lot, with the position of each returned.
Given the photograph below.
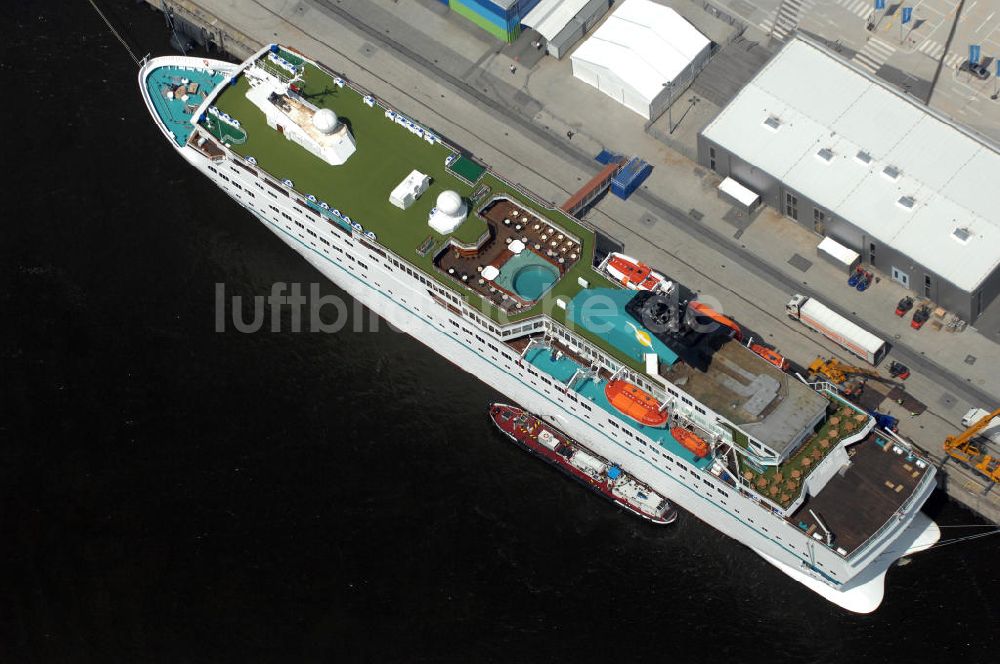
(910, 55)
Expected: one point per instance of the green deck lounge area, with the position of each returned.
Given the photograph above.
(386, 153)
(784, 482)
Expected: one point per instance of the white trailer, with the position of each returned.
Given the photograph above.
(836, 328)
(992, 430)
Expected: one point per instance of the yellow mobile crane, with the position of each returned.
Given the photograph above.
(837, 372)
(962, 448)
(840, 374)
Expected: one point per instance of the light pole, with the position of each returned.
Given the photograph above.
(669, 85)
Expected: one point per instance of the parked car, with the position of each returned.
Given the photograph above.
(978, 69)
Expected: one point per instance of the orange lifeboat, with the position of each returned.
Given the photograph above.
(630, 273)
(690, 440)
(771, 356)
(637, 404)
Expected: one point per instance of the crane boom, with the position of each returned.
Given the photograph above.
(838, 372)
(963, 448)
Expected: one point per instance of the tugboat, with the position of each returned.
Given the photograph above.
(582, 464)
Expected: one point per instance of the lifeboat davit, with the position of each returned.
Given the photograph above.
(636, 403)
(690, 440)
(630, 273)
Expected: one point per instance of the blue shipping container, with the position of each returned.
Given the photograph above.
(630, 177)
(607, 156)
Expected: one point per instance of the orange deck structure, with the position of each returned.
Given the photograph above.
(636, 403)
(702, 309)
(772, 356)
(631, 273)
(690, 440)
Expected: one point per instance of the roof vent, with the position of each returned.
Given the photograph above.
(891, 172)
(826, 154)
(863, 157)
(907, 202)
(961, 234)
(773, 121)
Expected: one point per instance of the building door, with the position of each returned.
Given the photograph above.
(791, 206)
(819, 221)
(901, 277)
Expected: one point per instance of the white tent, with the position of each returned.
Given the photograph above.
(549, 17)
(643, 56)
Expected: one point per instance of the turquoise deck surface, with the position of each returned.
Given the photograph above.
(527, 274)
(173, 112)
(563, 368)
(601, 311)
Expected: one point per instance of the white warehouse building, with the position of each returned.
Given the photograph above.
(837, 150)
(643, 56)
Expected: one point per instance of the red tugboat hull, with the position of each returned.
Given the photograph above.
(583, 465)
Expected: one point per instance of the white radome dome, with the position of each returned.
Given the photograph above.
(325, 121)
(449, 202)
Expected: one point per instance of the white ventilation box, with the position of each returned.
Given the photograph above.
(409, 190)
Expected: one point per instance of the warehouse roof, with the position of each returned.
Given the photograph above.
(549, 17)
(644, 44)
(905, 175)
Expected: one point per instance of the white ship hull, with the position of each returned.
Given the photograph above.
(862, 595)
(403, 301)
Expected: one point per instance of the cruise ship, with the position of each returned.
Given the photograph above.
(514, 291)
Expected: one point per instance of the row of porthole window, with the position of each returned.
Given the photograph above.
(587, 407)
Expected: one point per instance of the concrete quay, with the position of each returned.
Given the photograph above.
(429, 64)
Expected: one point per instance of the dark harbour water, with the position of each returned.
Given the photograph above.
(171, 494)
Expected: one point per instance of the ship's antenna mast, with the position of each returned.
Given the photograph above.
(104, 18)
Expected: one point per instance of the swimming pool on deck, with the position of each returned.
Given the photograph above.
(176, 112)
(528, 275)
(563, 368)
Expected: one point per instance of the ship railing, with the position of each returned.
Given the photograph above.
(532, 344)
(577, 375)
(599, 359)
(820, 385)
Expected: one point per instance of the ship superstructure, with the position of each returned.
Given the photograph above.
(507, 288)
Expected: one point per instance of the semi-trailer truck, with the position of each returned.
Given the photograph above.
(836, 328)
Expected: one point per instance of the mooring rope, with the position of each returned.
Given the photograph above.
(115, 32)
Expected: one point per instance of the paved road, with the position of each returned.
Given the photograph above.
(680, 219)
(930, 47)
